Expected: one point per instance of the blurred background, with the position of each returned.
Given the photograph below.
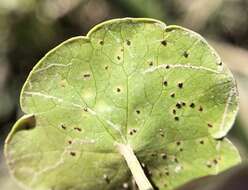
(30, 28)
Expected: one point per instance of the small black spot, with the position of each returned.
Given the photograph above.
(69, 142)
(72, 153)
(183, 104)
(161, 134)
(86, 75)
(118, 57)
(167, 173)
(192, 105)
(181, 149)
(86, 109)
(165, 83)
(174, 111)
(138, 111)
(180, 85)
(164, 156)
(101, 42)
(63, 127)
(185, 54)
(106, 178)
(167, 66)
(215, 161)
(178, 143)
(210, 125)
(128, 43)
(77, 129)
(169, 29)
(106, 67)
(200, 109)
(201, 141)
(220, 63)
(130, 132)
(176, 160)
(176, 118)
(153, 155)
(172, 95)
(134, 130)
(150, 63)
(164, 43)
(209, 165)
(118, 90)
(178, 105)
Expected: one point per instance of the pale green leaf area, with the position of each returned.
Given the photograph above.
(160, 89)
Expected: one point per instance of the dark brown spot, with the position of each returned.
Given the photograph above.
(161, 134)
(167, 66)
(200, 109)
(63, 127)
(69, 142)
(118, 89)
(201, 141)
(165, 83)
(178, 105)
(180, 85)
(210, 125)
(106, 67)
(86, 109)
(178, 143)
(185, 54)
(153, 154)
(134, 130)
(176, 160)
(192, 105)
(138, 111)
(220, 63)
(209, 165)
(128, 43)
(181, 149)
(118, 57)
(167, 173)
(130, 132)
(151, 63)
(72, 153)
(164, 156)
(164, 43)
(106, 178)
(183, 104)
(174, 111)
(77, 129)
(215, 161)
(122, 49)
(101, 42)
(172, 95)
(176, 118)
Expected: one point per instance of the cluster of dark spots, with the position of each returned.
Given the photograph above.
(185, 54)
(69, 142)
(63, 127)
(201, 141)
(172, 95)
(101, 42)
(150, 63)
(118, 89)
(73, 153)
(118, 57)
(192, 105)
(174, 111)
(132, 131)
(138, 111)
(178, 105)
(165, 83)
(200, 109)
(164, 42)
(106, 67)
(180, 85)
(106, 178)
(128, 42)
(210, 125)
(77, 129)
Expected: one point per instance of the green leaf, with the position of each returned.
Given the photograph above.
(160, 90)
